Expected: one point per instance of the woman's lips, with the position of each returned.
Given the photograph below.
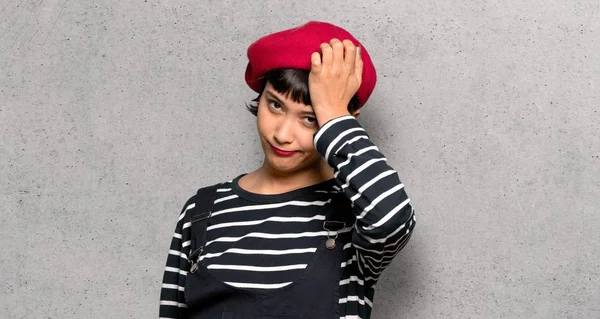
(282, 152)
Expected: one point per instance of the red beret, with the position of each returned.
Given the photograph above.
(292, 49)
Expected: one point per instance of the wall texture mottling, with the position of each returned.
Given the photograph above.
(112, 113)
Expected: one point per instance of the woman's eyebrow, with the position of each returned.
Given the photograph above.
(311, 113)
(271, 95)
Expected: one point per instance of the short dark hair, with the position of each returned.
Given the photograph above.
(294, 84)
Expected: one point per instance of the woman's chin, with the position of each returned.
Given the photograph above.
(281, 164)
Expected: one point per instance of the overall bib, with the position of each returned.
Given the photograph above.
(313, 295)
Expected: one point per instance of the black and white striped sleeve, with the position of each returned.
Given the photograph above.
(384, 214)
(172, 300)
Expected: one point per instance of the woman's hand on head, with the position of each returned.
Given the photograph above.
(334, 78)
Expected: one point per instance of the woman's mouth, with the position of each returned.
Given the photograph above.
(282, 152)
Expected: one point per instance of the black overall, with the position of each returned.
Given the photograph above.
(314, 295)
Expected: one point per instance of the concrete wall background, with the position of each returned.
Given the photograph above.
(109, 112)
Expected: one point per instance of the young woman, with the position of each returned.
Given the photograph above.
(308, 233)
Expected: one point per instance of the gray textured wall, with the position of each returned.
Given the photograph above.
(488, 110)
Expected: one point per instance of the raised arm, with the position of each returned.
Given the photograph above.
(384, 215)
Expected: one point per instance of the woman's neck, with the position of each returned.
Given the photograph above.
(266, 181)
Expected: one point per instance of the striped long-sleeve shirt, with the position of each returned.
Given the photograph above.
(267, 241)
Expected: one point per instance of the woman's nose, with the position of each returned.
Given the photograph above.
(284, 132)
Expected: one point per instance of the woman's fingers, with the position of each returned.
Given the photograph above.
(335, 75)
(338, 57)
(358, 65)
(327, 56)
(337, 66)
(316, 65)
(349, 56)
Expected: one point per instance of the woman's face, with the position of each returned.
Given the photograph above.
(288, 126)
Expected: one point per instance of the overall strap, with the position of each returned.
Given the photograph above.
(201, 213)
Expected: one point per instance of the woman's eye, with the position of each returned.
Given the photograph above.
(274, 104)
(311, 120)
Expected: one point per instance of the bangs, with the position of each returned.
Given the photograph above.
(292, 83)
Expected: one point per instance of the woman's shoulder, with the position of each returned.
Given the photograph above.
(215, 188)
(221, 187)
